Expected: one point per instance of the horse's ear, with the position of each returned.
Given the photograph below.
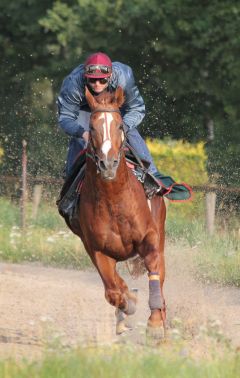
(119, 96)
(90, 98)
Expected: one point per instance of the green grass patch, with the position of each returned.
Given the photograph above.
(59, 248)
(45, 239)
(127, 362)
(47, 216)
(9, 213)
(217, 257)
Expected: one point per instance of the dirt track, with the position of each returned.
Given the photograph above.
(39, 305)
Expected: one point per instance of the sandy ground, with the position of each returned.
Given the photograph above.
(41, 307)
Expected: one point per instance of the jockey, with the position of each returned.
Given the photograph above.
(99, 74)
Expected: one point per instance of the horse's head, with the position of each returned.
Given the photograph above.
(106, 131)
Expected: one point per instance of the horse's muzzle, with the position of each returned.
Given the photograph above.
(108, 168)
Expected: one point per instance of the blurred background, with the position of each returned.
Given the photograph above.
(186, 59)
(185, 56)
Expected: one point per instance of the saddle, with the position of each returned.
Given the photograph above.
(69, 197)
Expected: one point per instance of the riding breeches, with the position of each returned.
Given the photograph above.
(137, 142)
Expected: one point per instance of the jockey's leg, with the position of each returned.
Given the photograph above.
(137, 142)
(178, 191)
(76, 145)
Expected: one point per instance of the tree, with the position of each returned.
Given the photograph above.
(185, 56)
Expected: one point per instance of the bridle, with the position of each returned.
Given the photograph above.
(92, 153)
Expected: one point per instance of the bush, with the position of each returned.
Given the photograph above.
(185, 162)
(182, 160)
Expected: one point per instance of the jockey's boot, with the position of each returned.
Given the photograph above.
(172, 190)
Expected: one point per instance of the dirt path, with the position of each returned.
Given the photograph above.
(42, 306)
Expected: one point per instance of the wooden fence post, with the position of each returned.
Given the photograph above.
(210, 212)
(24, 185)
(37, 193)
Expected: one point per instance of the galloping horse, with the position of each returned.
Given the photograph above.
(115, 220)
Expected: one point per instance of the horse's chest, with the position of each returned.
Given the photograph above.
(117, 236)
(113, 228)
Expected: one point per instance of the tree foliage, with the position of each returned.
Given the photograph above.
(185, 55)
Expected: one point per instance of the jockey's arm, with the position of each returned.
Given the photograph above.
(68, 109)
(134, 107)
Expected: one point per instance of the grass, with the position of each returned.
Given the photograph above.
(218, 260)
(124, 362)
(46, 239)
(217, 257)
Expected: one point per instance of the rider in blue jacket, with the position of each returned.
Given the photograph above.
(99, 74)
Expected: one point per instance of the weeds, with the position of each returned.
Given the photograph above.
(46, 239)
(217, 257)
(128, 361)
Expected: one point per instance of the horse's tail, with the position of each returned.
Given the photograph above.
(136, 267)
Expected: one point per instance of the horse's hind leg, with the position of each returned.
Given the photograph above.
(153, 261)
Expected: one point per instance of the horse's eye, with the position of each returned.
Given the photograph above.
(91, 128)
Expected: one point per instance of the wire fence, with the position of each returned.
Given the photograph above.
(32, 188)
(57, 182)
(25, 186)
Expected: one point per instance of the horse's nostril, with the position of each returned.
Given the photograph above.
(102, 165)
(115, 163)
(105, 165)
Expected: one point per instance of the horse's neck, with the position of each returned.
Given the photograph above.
(116, 186)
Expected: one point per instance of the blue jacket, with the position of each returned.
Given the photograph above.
(72, 99)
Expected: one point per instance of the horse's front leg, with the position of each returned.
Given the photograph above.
(116, 290)
(154, 263)
(123, 322)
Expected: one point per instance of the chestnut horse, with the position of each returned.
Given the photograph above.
(116, 221)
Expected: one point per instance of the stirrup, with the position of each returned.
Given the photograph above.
(152, 186)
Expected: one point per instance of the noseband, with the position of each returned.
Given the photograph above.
(93, 154)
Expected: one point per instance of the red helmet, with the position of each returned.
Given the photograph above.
(98, 65)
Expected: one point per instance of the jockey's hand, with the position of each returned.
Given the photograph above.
(86, 136)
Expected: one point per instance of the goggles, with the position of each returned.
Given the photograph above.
(97, 69)
(93, 80)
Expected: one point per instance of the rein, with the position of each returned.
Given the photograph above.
(93, 155)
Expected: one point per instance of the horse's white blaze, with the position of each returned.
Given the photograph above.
(149, 204)
(106, 146)
(107, 143)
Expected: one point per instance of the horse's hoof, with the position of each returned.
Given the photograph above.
(156, 334)
(131, 307)
(121, 327)
(121, 322)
